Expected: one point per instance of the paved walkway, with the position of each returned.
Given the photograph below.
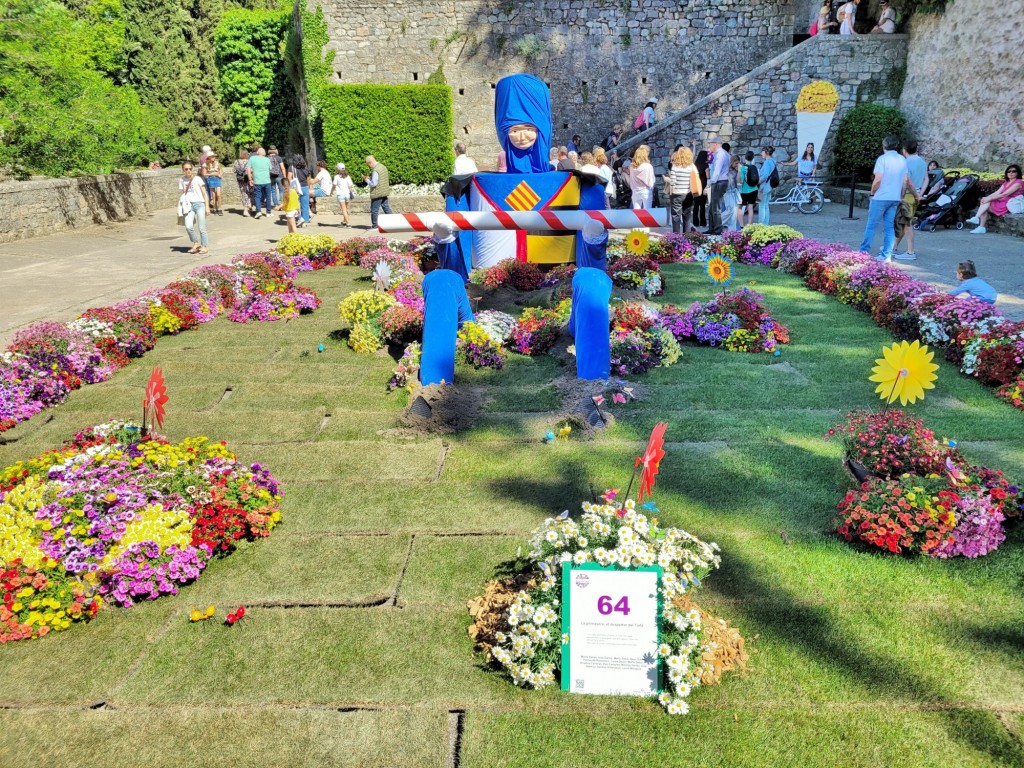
(58, 276)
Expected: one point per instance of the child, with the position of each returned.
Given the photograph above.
(344, 189)
(212, 175)
(291, 201)
(971, 284)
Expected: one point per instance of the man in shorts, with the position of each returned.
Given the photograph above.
(917, 172)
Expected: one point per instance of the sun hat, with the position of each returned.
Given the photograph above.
(654, 100)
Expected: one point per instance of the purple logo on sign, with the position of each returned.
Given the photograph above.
(582, 580)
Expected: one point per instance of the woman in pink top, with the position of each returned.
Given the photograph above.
(996, 202)
(641, 177)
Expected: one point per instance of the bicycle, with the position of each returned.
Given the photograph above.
(805, 195)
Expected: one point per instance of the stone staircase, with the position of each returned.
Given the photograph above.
(759, 108)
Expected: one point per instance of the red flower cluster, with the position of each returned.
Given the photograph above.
(218, 527)
(631, 317)
(909, 514)
(892, 443)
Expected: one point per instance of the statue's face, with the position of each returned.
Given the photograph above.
(523, 136)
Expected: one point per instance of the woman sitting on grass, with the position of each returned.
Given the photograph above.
(1012, 187)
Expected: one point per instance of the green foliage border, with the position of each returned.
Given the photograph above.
(409, 128)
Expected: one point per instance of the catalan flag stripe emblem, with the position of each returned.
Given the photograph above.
(522, 198)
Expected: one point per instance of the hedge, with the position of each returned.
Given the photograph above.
(409, 128)
(859, 137)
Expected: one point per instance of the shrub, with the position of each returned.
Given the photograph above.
(859, 137)
(406, 127)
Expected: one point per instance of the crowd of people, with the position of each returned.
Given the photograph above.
(270, 183)
(841, 18)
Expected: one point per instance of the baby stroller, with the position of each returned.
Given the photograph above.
(948, 180)
(947, 208)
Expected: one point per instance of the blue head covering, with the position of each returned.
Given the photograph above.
(524, 99)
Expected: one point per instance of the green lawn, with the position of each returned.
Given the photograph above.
(355, 651)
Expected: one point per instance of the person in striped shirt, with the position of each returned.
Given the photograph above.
(684, 181)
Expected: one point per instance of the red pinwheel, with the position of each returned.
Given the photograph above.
(155, 400)
(651, 460)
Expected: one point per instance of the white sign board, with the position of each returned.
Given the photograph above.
(611, 616)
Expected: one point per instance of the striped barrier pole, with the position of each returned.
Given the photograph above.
(530, 221)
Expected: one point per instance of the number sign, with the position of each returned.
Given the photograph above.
(612, 617)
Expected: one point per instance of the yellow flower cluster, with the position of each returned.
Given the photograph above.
(298, 244)
(471, 333)
(164, 526)
(766, 234)
(364, 339)
(819, 96)
(361, 306)
(37, 466)
(189, 452)
(18, 524)
(164, 322)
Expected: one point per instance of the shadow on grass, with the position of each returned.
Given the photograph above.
(566, 484)
(810, 630)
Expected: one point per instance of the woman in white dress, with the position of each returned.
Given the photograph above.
(847, 15)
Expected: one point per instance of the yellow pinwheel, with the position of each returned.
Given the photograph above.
(637, 242)
(904, 372)
(718, 270)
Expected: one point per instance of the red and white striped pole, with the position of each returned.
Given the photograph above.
(530, 221)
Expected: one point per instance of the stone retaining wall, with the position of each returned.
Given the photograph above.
(43, 206)
(602, 58)
(759, 108)
(964, 92)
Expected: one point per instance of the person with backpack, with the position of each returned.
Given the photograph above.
(612, 140)
(645, 119)
(769, 180)
(749, 181)
(276, 189)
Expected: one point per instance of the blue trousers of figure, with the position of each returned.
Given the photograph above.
(446, 307)
(881, 212)
(589, 323)
(304, 204)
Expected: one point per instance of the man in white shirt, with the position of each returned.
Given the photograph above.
(718, 181)
(463, 163)
(890, 183)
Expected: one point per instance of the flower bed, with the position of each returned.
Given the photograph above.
(48, 360)
(737, 321)
(112, 517)
(525, 636)
(922, 496)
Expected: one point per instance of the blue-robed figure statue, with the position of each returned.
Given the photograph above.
(522, 118)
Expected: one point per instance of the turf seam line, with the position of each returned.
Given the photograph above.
(376, 602)
(385, 534)
(142, 656)
(445, 447)
(401, 572)
(456, 730)
(323, 425)
(1011, 732)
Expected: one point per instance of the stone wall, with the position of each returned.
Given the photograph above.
(759, 108)
(602, 58)
(41, 206)
(964, 92)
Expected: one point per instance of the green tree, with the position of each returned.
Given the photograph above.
(59, 113)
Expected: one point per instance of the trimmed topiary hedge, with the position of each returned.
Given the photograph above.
(859, 137)
(409, 128)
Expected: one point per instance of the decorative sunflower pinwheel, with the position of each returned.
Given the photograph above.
(904, 372)
(718, 270)
(637, 242)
